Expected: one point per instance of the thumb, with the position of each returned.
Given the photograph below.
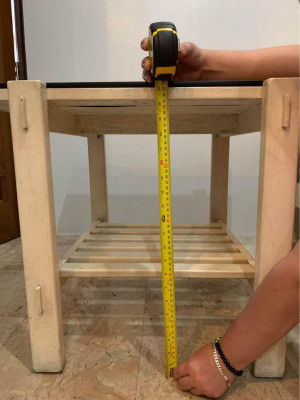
(186, 49)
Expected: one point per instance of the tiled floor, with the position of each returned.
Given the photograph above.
(115, 338)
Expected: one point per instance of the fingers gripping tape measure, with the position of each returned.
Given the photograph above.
(163, 53)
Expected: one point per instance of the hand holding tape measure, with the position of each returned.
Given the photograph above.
(163, 55)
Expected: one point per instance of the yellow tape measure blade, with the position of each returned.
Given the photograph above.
(166, 235)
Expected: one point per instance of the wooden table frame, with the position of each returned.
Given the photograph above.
(203, 251)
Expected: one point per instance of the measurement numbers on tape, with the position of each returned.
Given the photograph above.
(166, 235)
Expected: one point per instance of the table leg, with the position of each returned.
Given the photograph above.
(219, 178)
(30, 134)
(277, 189)
(97, 178)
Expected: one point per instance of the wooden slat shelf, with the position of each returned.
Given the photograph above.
(112, 250)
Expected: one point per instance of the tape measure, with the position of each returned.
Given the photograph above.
(163, 54)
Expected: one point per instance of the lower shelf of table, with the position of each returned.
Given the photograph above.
(118, 250)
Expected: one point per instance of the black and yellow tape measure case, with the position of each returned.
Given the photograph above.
(163, 50)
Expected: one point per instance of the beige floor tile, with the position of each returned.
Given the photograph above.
(7, 326)
(200, 298)
(104, 297)
(12, 294)
(11, 255)
(102, 362)
(15, 366)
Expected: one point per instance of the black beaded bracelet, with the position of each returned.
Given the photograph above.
(226, 362)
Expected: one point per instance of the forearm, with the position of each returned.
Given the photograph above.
(271, 313)
(257, 64)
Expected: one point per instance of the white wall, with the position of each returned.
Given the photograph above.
(94, 40)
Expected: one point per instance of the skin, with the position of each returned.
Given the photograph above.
(272, 318)
(241, 343)
(196, 64)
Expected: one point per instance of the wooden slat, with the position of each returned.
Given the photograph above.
(156, 238)
(152, 270)
(145, 96)
(156, 231)
(216, 225)
(140, 246)
(144, 257)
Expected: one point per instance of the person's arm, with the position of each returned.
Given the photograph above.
(271, 313)
(257, 64)
(201, 64)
